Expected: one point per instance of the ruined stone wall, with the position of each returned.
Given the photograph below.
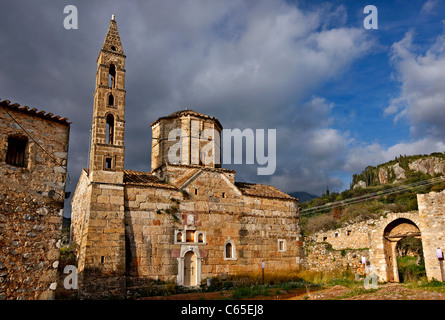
(79, 207)
(432, 226)
(253, 225)
(340, 249)
(30, 219)
(353, 236)
(322, 257)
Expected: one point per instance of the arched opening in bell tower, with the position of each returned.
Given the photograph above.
(110, 129)
(112, 76)
(111, 100)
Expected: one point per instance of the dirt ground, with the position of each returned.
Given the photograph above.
(223, 295)
(389, 291)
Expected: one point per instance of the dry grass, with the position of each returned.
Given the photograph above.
(326, 278)
(270, 277)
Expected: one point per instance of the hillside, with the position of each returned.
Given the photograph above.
(302, 196)
(400, 169)
(389, 187)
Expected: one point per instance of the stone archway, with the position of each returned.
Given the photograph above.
(395, 231)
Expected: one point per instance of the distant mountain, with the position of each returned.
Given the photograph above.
(302, 196)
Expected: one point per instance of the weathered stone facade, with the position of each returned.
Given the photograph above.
(33, 160)
(182, 222)
(322, 257)
(432, 226)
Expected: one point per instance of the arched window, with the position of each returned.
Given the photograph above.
(179, 237)
(229, 254)
(112, 76)
(110, 100)
(110, 129)
(201, 237)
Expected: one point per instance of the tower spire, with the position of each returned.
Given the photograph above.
(112, 42)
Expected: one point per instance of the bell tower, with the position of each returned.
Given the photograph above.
(101, 261)
(107, 136)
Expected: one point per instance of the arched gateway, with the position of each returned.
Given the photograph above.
(383, 239)
(392, 234)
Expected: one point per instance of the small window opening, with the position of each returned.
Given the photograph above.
(201, 238)
(229, 250)
(110, 100)
(102, 259)
(348, 232)
(16, 151)
(336, 235)
(110, 129)
(113, 48)
(108, 163)
(112, 76)
(179, 237)
(325, 238)
(223, 194)
(196, 191)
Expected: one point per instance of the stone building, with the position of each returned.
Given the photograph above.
(183, 221)
(33, 160)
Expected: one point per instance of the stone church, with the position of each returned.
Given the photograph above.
(181, 222)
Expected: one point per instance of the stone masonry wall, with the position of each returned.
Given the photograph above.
(31, 220)
(79, 207)
(353, 236)
(432, 225)
(321, 257)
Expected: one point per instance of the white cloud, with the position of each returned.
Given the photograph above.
(360, 157)
(422, 87)
(245, 58)
(428, 6)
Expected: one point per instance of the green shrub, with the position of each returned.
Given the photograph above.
(409, 271)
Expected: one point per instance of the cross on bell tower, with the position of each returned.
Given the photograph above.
(107, 138)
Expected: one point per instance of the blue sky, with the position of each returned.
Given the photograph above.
(340, 97)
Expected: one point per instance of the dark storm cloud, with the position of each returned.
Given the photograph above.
(252, 64)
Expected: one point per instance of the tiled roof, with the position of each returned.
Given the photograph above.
(41, 114)
(141, 178)
(144, 178)
(262, 190)
(187, 112)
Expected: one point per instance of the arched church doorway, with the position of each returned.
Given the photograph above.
(394, 232)
(190, 269)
